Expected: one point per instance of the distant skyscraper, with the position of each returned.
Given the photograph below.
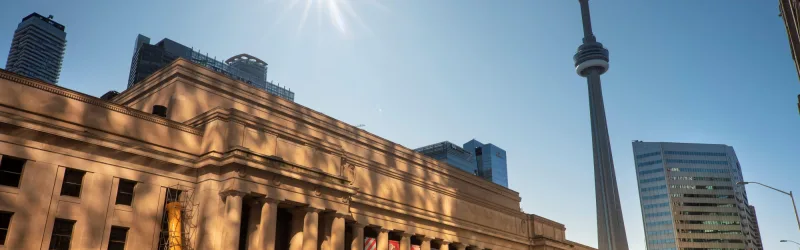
(148, 58)
(491, 161)
(38, 48)
(689, 197)
(451, 154)
(791, 19)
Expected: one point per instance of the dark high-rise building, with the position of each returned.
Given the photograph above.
(38, 48)
(148, 58)
(791, 18)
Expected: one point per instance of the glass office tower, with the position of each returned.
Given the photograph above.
(689, 197)
(451, 154)
(491, 161)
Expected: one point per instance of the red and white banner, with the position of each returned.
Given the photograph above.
(394, 245)
(415, 247)
(370, 244)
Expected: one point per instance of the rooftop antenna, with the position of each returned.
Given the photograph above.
(360, 126)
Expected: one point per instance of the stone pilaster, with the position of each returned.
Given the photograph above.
(383, 239)
(311, 228)
(267, 222)
(298, 218)
(445, 245)
(337, 232)
(232, 218)
(405, 241)
(426, 243)
(358, 236)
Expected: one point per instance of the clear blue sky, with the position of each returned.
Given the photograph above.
(418, 72)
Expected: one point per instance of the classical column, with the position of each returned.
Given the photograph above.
(267, 223)
(253, 227)
(426, 243)
(337, 232)
(445, 245)
(460, 246)
(232, 219)
(405, 242)
(383, 239)
(358, 237)
(298, 218)
(310, 228)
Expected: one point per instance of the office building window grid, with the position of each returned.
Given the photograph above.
(698, 194)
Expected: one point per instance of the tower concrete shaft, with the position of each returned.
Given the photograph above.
(591, 61)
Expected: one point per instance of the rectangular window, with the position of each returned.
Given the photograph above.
(62, 234)
(125, 192)
(71, 186)
(116, 241)
(5, 222)
(11, 171)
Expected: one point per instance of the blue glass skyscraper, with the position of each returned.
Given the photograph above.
(491, 161)
(451, 154)
(484, 160)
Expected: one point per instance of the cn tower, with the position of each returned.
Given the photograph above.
(591, 61)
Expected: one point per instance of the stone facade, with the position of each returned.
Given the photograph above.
(261, 173)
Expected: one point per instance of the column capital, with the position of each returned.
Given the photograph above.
(424, 238)
(310, 209)
(383, 230)
(232, 192)
(404, 234)
(359, 224)
(270, 200)
(444, 242)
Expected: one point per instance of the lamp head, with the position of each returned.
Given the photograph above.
(742, 183)
(784, 241)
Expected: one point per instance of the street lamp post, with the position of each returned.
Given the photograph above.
(796, 216)
(795, 242)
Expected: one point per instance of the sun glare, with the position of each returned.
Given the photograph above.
(340, 13)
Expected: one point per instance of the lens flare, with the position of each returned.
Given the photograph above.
(340, 13)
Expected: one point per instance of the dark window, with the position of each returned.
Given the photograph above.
(73, 179)
(11, 171)
(62, 234)
(5, 221)
(125, 192)
(116, 241)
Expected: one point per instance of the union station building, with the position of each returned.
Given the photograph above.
(191, 159)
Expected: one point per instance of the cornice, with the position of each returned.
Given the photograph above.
(280, 131)
(57, 90)
(242, 92)
(543, 220)
(96, 137)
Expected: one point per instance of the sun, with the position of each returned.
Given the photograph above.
(340, 14)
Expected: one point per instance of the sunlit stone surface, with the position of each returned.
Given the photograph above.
(255, 172)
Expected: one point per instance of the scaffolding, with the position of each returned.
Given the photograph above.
(178, 225)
